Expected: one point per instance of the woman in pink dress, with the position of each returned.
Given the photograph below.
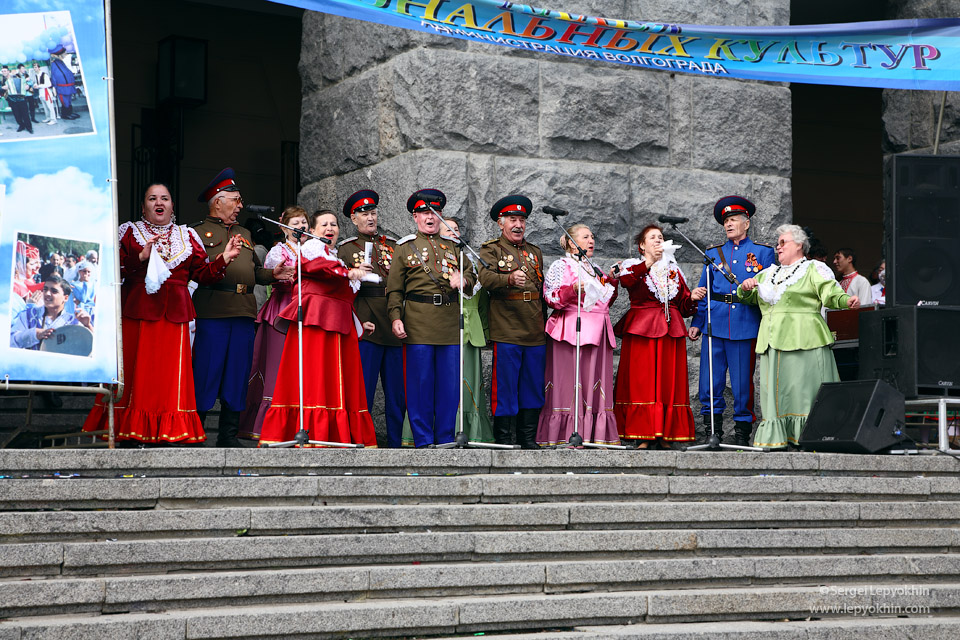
(597, 342)
(268, 345)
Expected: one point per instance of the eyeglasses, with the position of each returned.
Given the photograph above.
(237, 200)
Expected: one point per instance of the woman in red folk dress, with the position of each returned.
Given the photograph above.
(157, 259)
(651, 398)
(334, 400)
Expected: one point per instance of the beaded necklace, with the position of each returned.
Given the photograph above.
(773, 278)
(163, 234)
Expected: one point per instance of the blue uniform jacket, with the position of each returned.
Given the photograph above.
(737, 321)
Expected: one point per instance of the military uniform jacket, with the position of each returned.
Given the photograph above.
(421, 267)
(517, 315)
(222, 300)
(371, 302)
(735, 320)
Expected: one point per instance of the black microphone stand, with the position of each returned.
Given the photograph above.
(713, 441)
(302, 438)
(461, 441)
(576, 440)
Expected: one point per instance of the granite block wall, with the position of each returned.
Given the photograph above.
(396, 110)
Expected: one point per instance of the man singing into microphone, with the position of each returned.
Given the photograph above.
(735, 324)
(514, 279)
(226, 311)
(381, 352)
(422, 304)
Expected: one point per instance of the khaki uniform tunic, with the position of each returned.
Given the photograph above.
(226, 299)
(517, 314)
(371, 301)
(416, 259)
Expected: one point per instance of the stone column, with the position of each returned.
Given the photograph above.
(396, 110)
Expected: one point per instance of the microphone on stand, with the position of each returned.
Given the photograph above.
(673, 219)
(259, 209)
(553, 211)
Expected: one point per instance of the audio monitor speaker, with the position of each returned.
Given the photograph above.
(914, 349)
(861, 416)
(923, 264)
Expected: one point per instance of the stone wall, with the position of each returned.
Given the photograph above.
(397, 110)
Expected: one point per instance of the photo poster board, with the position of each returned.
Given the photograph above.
(56, 194)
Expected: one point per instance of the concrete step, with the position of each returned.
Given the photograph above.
(108, 557)
(561, 574)
(19, 494)
(64, 526)
(204, 461)
(938, 628)
(484, 614)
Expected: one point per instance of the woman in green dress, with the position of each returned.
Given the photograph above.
(476, 334)
(794, 341)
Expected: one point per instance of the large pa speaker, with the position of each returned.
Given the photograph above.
(914, 349)
(862, 416)
(923, 264)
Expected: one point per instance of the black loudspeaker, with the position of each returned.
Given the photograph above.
(923, 264)
(854, 417)
(915, 349)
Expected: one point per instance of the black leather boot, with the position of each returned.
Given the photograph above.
(503, 429)
(743, 432)
(717, 425)
(527, 428)
(229, 427)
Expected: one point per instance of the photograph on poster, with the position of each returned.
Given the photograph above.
(53, 298)
(42, 88)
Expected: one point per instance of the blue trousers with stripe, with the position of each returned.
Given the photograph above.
(222, 357)
(386, 364)
(739, 357)
(431, 375)
(518, 374)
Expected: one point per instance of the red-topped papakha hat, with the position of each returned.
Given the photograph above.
(361, 201)
(733, 206)
(223, 182)
(515, 205)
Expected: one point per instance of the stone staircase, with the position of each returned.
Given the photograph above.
(568, 544)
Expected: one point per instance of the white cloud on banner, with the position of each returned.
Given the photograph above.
(5, 173)
(66, 198)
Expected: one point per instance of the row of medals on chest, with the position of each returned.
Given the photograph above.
(384, 252)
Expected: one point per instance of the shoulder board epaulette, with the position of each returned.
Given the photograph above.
(448, 238)
(714, 246)
(493, 241)
(764, 244)
(530, 244)
(406, 238)
(345, 241)
(194, 225)
(386, 237)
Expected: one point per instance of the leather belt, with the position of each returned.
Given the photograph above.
(241, 289)
(526, 296)
(372, 292)
(729, 298)
(437, 299)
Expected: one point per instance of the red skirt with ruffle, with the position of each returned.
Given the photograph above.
(651, 398)
(158, 402)
(334, 400)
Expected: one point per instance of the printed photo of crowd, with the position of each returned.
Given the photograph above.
(42, 92)
(54, 294)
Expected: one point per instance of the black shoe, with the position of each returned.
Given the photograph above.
(503, 429)
(228, 429)
(527, 422)
(20, 128)
(743, 431)
(717, 425)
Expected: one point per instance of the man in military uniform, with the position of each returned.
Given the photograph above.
(514, 279)
(735, 324)
(381, 352)
(422, 304)
(223, 346)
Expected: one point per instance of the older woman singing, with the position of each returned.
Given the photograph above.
(597, 342)
(794, 341)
